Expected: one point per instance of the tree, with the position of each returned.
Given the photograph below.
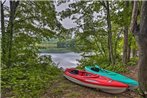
(110, 44)
(120, 16)
(2, 28)
(140, 31)
(7, 36)
(106, 5)
(13, 7)
(29, 22)
(125, 48)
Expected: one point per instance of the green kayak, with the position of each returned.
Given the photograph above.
(115, 76)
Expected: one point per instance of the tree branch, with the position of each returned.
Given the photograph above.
(3, 2)
(103, 3)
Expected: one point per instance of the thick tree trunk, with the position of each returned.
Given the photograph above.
(141, 37)
(125, 48)
(142, 41)
(110, 44)
(134, 26)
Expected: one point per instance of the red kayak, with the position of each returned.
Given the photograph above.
(95, 81)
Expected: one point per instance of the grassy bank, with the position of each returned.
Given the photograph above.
(63, 88)
(48, 82)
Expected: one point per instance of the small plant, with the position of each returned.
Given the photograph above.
(133, 61)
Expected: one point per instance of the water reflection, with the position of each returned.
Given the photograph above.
(65, 60)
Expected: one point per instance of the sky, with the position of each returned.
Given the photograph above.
(67, 22)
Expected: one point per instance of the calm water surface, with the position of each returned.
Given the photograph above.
(65, 60)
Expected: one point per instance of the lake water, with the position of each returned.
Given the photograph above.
(65, 60)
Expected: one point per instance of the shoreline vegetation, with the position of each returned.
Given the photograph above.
(55, 46)
(55, 50)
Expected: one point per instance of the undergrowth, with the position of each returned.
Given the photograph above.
(28, 81)
(104, 63)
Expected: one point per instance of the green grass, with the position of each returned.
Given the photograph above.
(63, 88)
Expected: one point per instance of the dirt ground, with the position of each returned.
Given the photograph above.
(63, 88)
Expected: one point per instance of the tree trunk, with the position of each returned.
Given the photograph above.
(3, 33)
(141, 37)
(128, 52)
(10, 32)
(125, 48)
(13, 6)
(110, 44)
(142, 41)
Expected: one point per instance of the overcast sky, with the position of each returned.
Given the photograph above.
(67, 22)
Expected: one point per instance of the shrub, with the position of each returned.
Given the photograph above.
(28, 81)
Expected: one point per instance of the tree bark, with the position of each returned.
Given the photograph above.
(128, 52)
(142, 41)
(110, 44)
(134, 26)
(3, 32)
(141, 38)
(125, 48)
(13, 6)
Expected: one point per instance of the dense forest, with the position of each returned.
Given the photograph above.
(113, 31)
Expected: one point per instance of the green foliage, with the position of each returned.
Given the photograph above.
(28, 81)
(133, 61)
(92, 61)
(30, 74)
(117, 68)
(62, 45)
(94, 36)
(102, 62)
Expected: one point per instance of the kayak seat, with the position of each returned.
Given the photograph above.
(74, 72)
(95, 69)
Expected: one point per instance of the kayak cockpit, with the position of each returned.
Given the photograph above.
(82, 73)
